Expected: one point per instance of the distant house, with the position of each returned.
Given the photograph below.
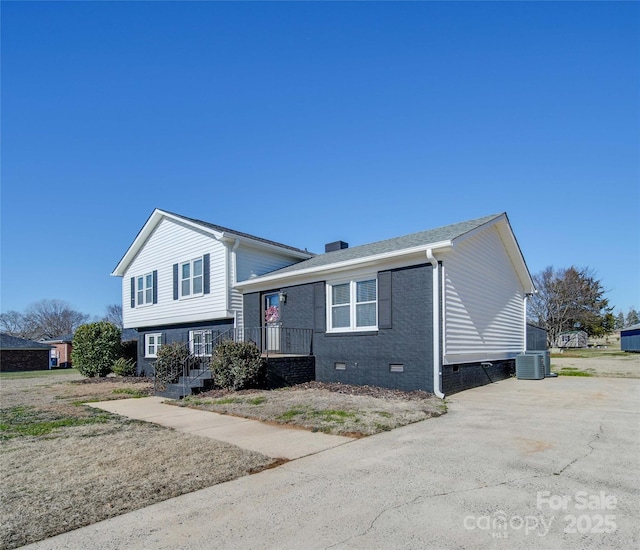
(18, 354)
(630, 338)
(572, 339)
(61, 349)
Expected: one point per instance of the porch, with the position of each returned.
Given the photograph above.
(287, 354)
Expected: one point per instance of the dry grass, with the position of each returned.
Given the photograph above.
(65, 465)
(330, 408)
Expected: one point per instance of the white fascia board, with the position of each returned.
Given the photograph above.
(178, 319)
(267, 282)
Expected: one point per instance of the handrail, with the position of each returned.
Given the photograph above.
(271, 340)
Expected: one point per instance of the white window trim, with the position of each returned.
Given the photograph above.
(203, 333)
(352, 304)
(144, 302)
(156, 335)
(181, 280)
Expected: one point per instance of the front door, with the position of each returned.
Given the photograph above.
(272, 322)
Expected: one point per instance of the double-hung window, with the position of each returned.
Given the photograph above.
(353, 306)
(201, 342)
(144, 289)
(152, 343)
(191, 278)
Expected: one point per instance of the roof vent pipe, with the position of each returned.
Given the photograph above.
(437, 364)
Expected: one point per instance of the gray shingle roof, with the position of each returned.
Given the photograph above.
(422, 238)
(13, 342)
(238, 233)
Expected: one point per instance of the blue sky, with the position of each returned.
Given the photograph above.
(309, 122)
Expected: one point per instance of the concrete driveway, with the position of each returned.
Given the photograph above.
(535, 464)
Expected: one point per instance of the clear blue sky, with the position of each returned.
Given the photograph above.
(307, 123)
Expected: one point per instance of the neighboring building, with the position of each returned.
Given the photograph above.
(630, 338)
(61, 349)
(18, 354)
(440, 310)
(536, 338)
(572, 339)
(178, 280)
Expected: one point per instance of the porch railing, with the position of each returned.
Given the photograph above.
(271, 340)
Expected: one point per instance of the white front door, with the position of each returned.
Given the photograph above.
(272, 322)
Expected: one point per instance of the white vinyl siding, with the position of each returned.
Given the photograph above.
(170, 243)
(252, 262)
(173, 242)
(484, 302)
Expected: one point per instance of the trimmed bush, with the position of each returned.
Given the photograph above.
(236, 365)
(130, 350)
(170, 360)
(123, 367)
(95, 347)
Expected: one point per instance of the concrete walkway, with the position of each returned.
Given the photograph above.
(270, 440)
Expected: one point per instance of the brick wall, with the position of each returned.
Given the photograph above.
(368, 356)
(456, 378)
(24, 360)
(288, 371)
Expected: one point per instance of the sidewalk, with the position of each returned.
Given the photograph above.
(273, 441)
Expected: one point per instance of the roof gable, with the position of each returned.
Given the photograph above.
(441, 238)
(216, 231)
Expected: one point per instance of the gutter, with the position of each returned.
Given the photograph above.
(437, 363)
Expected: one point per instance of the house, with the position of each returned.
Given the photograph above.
(18, 354)
(572, 339)
(630, 338)
(441, 310)
(178, 280)
(61, 349)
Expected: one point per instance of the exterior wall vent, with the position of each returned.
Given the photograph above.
(396, 367)
(337, 245)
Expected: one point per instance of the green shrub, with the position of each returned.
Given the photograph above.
(236, 365)
(95, 347)
(170, 360)
(130, 350)
(123, 367)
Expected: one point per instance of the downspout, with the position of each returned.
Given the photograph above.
(524, 328)
(232, 279)
(437, 365)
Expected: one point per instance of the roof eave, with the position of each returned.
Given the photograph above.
(265, 281)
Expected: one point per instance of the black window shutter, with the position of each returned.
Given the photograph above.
(206, 274)
(175, 281)
(384, 299)
(319, 306)
(155, 286)
(133, 292)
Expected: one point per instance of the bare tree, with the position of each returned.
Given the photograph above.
(51, 318)
(15, 323)
(114, 315)
(568, 299)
